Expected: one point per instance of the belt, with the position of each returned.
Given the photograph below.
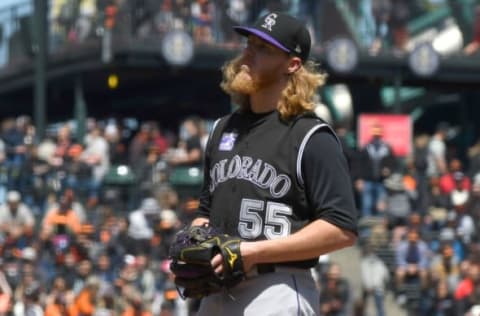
(265, 268)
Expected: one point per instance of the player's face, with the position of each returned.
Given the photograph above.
(262, 65)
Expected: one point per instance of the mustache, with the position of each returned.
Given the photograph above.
(242, 70)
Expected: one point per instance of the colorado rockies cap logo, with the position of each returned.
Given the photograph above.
(269, 21)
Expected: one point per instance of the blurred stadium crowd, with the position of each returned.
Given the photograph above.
(80, 235)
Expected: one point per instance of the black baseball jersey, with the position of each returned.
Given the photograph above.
(256, 185)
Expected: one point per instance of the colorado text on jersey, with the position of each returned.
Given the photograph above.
(258, 172)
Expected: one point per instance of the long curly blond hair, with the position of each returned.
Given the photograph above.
(297, 97)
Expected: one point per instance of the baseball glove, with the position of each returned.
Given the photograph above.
(191, 252)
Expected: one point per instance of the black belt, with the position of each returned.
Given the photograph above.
(265, 268)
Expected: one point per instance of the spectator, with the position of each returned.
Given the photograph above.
(62, 219)
(165, 232)
(58, 296)
(57, 307)
(79, 174)
(445, 268)
(83, 274)
(37, 186)
(375, 278)
(139, 145)
(3, 172)
(189, 148)
(85, 20)
(412, 257)
(448, 233)
(16, 221)
(465, 226)
(76, 205)
(96, 156)
(473, 46)
(145, 280)
(67, 269)
(30, 305)
(135, 304)
(466, 287)
(202, 18)
(443, 303)
(105, 272)
(231, 13)
(420, 164)
(159, 142)
(473, 204)
(473, 155)
(139, 229)
(448, 181)
(85, 302)
(398, 201)
(5, 292)
(437, 165)
(146, 171)
(379, 162)
(334, 293)
(438, 204)
(117, 151)
(400, 15)
(63, 143)
(14, 137)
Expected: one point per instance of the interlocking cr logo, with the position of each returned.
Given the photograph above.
(269, 21)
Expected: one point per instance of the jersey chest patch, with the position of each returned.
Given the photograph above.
(227, 141)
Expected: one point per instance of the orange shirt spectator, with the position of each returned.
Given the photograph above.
(54, 309)
(84, 304)
(57, 217)
(130, 311)
(63, 216)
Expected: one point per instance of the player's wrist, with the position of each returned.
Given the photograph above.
(249, 253)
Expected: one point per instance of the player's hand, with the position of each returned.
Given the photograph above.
(246, 250)
(217, 264)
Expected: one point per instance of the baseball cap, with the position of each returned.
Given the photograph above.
(13, 196)
(282, 31)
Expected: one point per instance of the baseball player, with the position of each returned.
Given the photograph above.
(275, 176)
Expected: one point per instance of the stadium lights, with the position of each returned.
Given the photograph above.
(112, 81)
(177, 48)
(424, 61)
(342, 55)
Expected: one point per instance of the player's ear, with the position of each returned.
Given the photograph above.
(294, 64)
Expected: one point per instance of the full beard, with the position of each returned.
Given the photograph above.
(243, 83)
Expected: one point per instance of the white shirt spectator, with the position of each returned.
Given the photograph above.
(466, 228)
(375, 274)
(96, 154)
(22, 218)
(436, 156)
(139, 228)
